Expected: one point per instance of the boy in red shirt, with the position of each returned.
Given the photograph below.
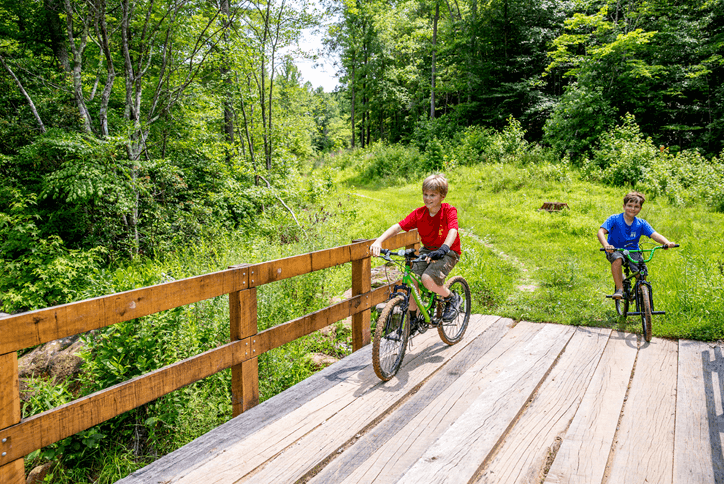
(437, 224)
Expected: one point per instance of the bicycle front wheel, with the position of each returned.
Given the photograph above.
(645, 308)
(452, 331)
(388, 347)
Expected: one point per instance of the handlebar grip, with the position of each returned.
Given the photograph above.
(675, 245)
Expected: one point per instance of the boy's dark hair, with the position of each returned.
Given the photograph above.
(634, 197)
(436, 182)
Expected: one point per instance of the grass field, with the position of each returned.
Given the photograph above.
(540, 266)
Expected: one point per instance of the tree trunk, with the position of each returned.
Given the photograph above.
(225, 71)
(352, 88)
(55, 31)
(22, 90)
(77, 70)
(434, 49)
(111, 72)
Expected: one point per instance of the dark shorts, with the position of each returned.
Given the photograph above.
(439, 269)
(638, 257)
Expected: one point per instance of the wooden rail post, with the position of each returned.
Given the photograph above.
(12, 472)
(244, 376)
(361, 283)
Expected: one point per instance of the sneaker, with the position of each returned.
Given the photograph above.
(618, 294)
(452, 306)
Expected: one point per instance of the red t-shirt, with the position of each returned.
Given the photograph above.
(433, 230)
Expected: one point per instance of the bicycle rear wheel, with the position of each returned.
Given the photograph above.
(645, 308)
(390, 342)
(452, 331)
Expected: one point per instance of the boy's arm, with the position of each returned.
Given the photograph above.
(602, 239)
(451, 236)
(377, 244)
(444, 248)
(662, 240)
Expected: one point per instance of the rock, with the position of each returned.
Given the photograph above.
(58, 360)
(320, 360)
(329, 331)
(38, 474)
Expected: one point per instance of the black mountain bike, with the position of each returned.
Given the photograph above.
(637, 289)
(394, 327)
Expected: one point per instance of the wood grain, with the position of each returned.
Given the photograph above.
(217, 441)
(361, 283)
(460, 451)
(289, 448)
(522, 456)
(586, 445)
(400, 452)
(383, 442)
(61, 422)
(12, 470)
(644, 445)
(243, 324)
(698, 455)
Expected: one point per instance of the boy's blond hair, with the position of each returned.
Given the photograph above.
(437, 183)
(634, 197)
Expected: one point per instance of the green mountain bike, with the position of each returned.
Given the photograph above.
(394, 327)
(636, 288)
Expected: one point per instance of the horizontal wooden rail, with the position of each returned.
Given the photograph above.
(44, 325)
(28, 329)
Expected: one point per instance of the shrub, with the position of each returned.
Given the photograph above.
(624, 154)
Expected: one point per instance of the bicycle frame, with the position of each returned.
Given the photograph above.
(412, 284)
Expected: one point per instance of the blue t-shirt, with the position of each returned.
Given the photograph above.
(622, 235)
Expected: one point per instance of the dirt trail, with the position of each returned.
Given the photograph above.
(527, 283)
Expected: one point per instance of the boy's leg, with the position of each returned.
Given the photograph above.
(434, 280)
(617, 273)
(616, 260)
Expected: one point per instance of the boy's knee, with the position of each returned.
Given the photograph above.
(428, 281)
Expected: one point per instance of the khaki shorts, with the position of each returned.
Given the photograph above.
(439, 269)
(635, 266)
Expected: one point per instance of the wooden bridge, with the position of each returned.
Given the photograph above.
(511, 403)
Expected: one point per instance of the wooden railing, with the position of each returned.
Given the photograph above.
(19, 437)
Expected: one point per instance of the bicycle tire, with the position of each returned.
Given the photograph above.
(390, 342)
(645, 308)
(452, 332)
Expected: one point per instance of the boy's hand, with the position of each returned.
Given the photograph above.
(439, 253)
(609, 248)
(376, 248)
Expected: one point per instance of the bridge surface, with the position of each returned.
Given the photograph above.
(511, 403)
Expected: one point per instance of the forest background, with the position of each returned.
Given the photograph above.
(143, 141)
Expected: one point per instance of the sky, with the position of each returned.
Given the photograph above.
(312, 71)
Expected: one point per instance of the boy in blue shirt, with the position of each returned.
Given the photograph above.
(624, 231)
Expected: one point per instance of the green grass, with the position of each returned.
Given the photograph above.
(508, 243)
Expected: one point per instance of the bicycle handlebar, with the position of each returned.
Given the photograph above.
(386, 253)
(640, 250)
(626, 252)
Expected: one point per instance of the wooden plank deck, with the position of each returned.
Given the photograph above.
(511, 403)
